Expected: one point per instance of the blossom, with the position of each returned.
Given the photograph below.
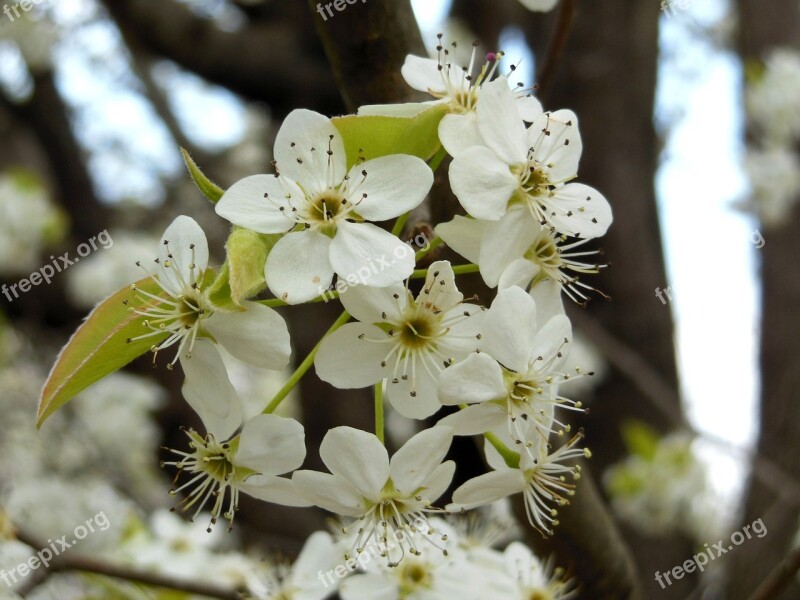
(324, 209)
(513, 381)
(407, 340)
(458, 88)
(774, 175)
(518, 250)
(386, 498)
(770, 99)
(540, 476)
(220, 466)
(528, 167)
(532, 578)
(258, 335)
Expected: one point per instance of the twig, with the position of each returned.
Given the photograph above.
(547, 74)
(779, 578)
(76, 562)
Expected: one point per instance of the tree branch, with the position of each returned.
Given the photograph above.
(781, 577)
(547, 74)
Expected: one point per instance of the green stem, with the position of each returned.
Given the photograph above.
(379, 429)
(304, 367)
(511, 457)
(437, 159)
(400, 224)
(434, 243)
(326, 297)
(458, 270)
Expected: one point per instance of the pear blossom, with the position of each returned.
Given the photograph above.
(323, 209)
(530, 167)
(518, 250)
(539, 476)
(385, 498)
(458, 88)
(220, 464)
(258, 335)
(533, 578)
(770, 98)
(513, 381)
(404, 339)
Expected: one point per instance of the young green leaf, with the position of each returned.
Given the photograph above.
(99, 347)
(210, 189)
(640, 439)
(375, 136)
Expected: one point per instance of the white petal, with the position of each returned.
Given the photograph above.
(464, 236)
(438, 481)
(476, 419)
(505, 241)
(555, 337)
(580, 211)
(368, 255)
(509, 328)
(347, 358)
(258, 336)
(318, 551)
(393, 185)
(182, 255)
(423, 74)
(529, 108)
(459, 132)
(500, 124)
(278, 490)
(271, 445)
(478, 378)
(464, 334)
(301, 151)
(255, 203)
(357, 456)
(440, 294)
(406, 109)
(329, 492)
(557, 144)
(482, 183)
(418, 458)
(419, 406)
(520, 272)
(487, 488)
(209, 392)
(493, 457)
(298, 267)
(547, 295)
(375, 305)
(369, 586)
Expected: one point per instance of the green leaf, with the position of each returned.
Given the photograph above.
(210, 189)
(640, 439)
(99, 347)
(242, 275)
(375, 136)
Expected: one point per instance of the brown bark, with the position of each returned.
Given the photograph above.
(765, 26)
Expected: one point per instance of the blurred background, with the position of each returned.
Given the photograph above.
(690, 117)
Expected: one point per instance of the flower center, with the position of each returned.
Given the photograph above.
(534, 179)
(413, 576)
(418, 331)
(324, 209)
(539, 595)
(545, 253)
(464, 101)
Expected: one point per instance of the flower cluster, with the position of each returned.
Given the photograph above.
(493, 370)
(771, 161)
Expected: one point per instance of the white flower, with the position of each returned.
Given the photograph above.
(528, 167)
(258, 335)
(387, 499)
(518, 250)
(540, 476)
(407, 340)
(458, 88)
(324, 208)
(220, 467)
(774, 175)
(304, 580)
(771, 100)
(513, 381)
(534, 579)
(539, 5)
